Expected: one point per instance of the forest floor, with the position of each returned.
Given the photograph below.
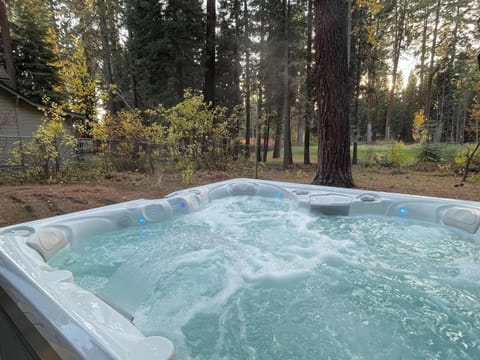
(21, 203)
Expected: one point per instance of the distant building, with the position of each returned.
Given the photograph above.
(20, 119)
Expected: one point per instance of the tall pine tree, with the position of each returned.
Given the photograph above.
(333, 94)
(33, 53)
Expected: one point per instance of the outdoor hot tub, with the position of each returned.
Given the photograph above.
(252, 269)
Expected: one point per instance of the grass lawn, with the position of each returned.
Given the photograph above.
(372, 154)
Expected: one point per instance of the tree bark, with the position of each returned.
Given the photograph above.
(116, 56)
(261, 129)
(7, 45)
(106, 53)
(179, 77)
(308, 86)
(287, 136)
(258, 152)
(278, 136)
(451, 65)
(469, 160)
(356, 124)
(358, 17)
(397, 45)
(371, 61)
(133, 81)
(333, 94)
(432, 70)
(247, 83)
(422, 62)
(209, 87)
(236, 69)
(266, 137)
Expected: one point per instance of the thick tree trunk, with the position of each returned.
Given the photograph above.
(333, 94)
(209, 86)
(308, 86)
(7, 45)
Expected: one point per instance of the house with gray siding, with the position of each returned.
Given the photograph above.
(19, 120)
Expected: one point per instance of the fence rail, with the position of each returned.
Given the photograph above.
(7, 145)
(11, 144)
(89, 148)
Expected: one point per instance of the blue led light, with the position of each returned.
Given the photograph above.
(403, 211)
(179, 205)
(141, 220)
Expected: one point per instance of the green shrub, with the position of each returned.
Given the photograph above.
(462, 156)
(122, 140)
(450, 152)
(398, 156)
(42, 154)
(372, 156)
(196, 135)
(430, 152)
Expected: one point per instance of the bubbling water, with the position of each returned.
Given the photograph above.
(254, 278)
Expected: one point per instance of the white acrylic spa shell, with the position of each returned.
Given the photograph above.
(79, 325)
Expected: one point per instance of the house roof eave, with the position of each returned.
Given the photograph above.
(38, 106)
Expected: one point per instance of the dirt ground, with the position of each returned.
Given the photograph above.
(21, 203)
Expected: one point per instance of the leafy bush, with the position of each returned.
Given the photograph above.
(77, 171)
(125, 141)
(372, 157)
(378, 157)
(430, 152)
(450, 152)
(398, 156)
(190, 134)
(42, 154)
(461, 159)
(196, 135)
(420, 131)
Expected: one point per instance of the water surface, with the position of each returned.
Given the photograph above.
(255, 278)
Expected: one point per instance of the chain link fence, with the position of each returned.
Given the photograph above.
(126, 154)
(8, 144)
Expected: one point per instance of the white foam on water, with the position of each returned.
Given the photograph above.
(252, 278)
